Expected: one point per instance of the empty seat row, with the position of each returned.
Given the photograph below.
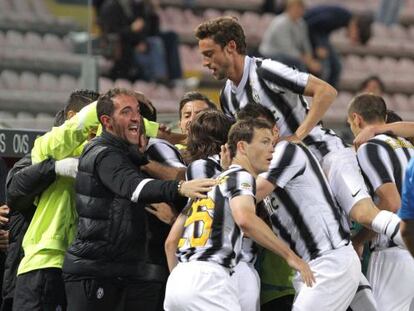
(56, 62)
(35, 41)
(11, 80)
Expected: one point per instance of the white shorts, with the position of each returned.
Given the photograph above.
(337, 275)
(364, 299)
(200, 286)
(344, 176)
(391, 274)
(247, 281)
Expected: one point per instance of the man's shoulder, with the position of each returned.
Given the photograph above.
(387, 141)
(97, 146)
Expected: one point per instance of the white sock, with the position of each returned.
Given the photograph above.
(388, 223)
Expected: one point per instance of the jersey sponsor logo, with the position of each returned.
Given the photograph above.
(246, 186)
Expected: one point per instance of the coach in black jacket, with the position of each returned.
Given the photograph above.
(104, 267)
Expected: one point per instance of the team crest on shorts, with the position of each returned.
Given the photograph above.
(100, 293)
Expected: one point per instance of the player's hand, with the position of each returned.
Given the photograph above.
(367, 133)
(303, 268)
(197, 188)
(163, 212)
(225, 159)
(4, 240)
(4, 213)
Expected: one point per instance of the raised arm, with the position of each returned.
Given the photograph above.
(323, 95)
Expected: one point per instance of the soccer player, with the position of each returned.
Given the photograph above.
(206, 136)
(212, 229)
(281, 89)
(304, 214)
(383, 161)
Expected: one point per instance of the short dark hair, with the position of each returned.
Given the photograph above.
(392, 117)
(244, 131)
(77, 100)
(207, 133)
(364, 23)
(191, 96)
(371, 107)
(222, 30)
(252, 110)
(105, 105)
(365, 82)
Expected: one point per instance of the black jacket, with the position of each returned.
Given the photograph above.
(111, 193)
(24, 182)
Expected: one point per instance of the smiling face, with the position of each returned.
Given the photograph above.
(125, 120)
(215, 58)
(260, 150)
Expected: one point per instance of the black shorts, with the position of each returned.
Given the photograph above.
(41, 290)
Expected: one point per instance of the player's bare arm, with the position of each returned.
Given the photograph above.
(172, 240)
(390, 200)
(323, 95)
(402, 129)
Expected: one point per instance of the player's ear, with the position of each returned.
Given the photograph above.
(358, 120)
(241, 147)
(231, 46)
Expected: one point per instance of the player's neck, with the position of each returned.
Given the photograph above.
(237, 73)
(245, 164)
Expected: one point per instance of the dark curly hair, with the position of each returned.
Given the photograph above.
(222, 30)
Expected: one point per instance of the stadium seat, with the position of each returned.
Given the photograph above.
(67, 83)
(10, 79)
(48, 82)
(28, 81)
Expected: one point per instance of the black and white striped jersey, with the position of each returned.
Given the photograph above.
(279, 88)
(209, 168)
(162, 151)
(210, 233)
(384, 159)
(204, 168)
(302, 208)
